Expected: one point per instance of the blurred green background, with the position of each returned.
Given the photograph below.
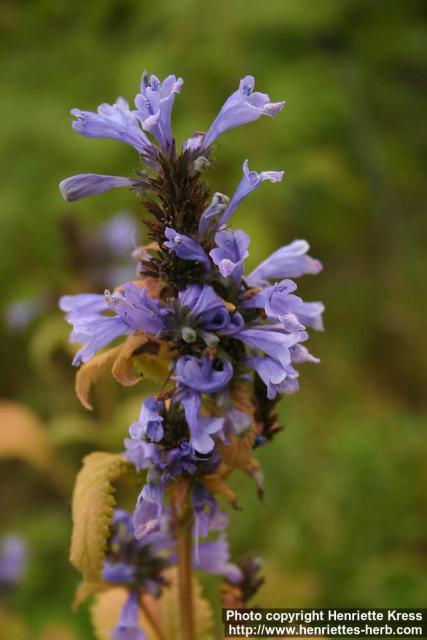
(345, 515)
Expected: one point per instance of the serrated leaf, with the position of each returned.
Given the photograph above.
(87, 589)
(92, 507)
(24, 436)
(169, 610)
(106, 610)
(90, 372)
(105, 613)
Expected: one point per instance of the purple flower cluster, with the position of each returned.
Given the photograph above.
(224, 329)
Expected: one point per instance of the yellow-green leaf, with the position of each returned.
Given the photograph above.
(106, 610)
(87, 589)
(169, 610)
(59, 631)
(105, 613)
(93, 504)
(90, 372)
(154, 367)
(123, 367)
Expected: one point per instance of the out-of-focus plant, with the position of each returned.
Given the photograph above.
(221, 345)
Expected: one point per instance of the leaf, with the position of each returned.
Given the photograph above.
(155, 367)
(150, 358)
(90, 372)
(238, 450)
(169, 610)
(58, 632)
(138, 352)
(254, 469)
(92, 507)
(215, 484)
(87, 589)
(105, 613)
(123, 369)
(24, 436)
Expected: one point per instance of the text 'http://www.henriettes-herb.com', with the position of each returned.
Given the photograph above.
(221, 344)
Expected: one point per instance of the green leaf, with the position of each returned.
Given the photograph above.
(93, 505)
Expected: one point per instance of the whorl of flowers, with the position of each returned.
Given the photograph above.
(230, 341)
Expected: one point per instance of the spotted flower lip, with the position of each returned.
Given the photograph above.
(289, 261)
(271, 341)
(137, 310)
(279, 302)
(230, 253)
(243, 106)
(251, 180)
(91, 327)
(277, 378)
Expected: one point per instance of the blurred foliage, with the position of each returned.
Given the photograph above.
(345, 515)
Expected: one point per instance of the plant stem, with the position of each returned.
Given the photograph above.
(147, 607)
(185, 586)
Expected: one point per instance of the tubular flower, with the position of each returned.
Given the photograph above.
(154, 106)
(251, 180)
(241, 107)
(90, 184)
(115, 121)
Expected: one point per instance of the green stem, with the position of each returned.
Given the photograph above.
(185, 585)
